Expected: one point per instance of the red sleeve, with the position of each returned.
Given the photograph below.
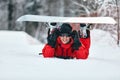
(86, 42)
(48, 51)
(83, 51)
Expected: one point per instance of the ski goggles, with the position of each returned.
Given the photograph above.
(65, 34)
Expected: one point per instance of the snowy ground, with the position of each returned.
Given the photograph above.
(19, 60)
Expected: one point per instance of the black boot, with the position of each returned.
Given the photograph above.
(84, 30)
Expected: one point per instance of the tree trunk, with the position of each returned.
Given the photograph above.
(10, 13)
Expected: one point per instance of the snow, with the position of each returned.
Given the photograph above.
(19, 59)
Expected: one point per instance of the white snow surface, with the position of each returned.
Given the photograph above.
(19, 59)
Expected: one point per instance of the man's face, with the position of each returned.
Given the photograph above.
(65, 38)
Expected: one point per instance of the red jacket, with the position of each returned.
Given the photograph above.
(66, 50)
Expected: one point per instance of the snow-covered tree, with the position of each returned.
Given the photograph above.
(3, 14)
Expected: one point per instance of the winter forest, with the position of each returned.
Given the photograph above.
(10, 10)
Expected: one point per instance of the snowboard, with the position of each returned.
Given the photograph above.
(52, 19)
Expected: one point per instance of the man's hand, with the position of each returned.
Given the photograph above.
(76, 43)
(51, 39)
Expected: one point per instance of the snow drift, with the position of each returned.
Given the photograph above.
(19, 60)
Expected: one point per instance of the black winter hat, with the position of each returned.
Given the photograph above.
(65, 28)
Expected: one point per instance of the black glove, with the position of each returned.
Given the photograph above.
(51, 39)
(76, 43)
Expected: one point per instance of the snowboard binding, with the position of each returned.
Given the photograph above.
(84, 30)
(52, 26)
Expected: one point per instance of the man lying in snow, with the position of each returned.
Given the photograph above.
(67, 44)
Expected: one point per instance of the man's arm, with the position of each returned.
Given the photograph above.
(48, 51)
